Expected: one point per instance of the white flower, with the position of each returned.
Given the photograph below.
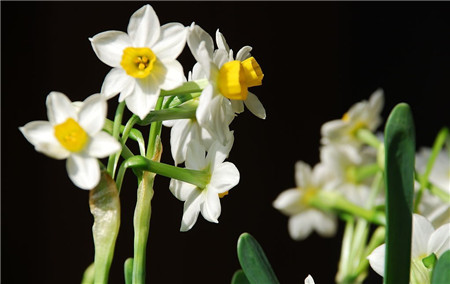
(144, 60)
(309, 280)
(229, 81)
(343, 161)
(74, 134)
(294, 203)
(431, 206)
(223, 177)
(425, 241)
(365, 114)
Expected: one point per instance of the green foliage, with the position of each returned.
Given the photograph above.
(239, 278)
(399, 175)
(441, 272)
(253, 261)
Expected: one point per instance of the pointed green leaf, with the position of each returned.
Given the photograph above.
(239, 278)
(105, 207)
(441, 271)
(128, 270)
(399, 175)
(254, 261)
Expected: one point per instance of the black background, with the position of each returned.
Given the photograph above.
(318, 59)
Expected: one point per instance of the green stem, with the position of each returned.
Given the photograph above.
(366, 136)
(423, 179)
(187, 110)
(186, 88)
(328, 200)
(155, 131)
(345, 249)
(111, 168)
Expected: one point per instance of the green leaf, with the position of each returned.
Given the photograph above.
(88, 275)
(399, 175)
(105, 207)
(441, 271)
(253, 261)
(128, 270)
(239, 278)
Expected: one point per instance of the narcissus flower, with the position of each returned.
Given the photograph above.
(144, 60)
(223, 177)
(74, 132)
(425, 241)
(309, 280)
(365, 114)
(229, 81)
(295, 203)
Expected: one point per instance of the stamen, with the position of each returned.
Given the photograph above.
(138, 62)
(71, 135)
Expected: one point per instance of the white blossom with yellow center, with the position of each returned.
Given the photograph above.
(229, 80)
(303, 218)
(143, 60)
(425, 241)
(364, 114)
(74, 132)
(223, 177)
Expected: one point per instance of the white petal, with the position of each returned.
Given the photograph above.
(59, 108)
(288, 202)
(173, 75)
(332, 130)
(218, 153)
(171, 41)
(195, 37)
(237, 106)
(41, 135)
(181, 190)
(376, 101)
(92, 114)
(143, 98)
(203, 110)
(309, 280)
(102, 145)
(325, 224)
(302, 174)
(255, 106)
(211, 208)
(109, 46)
(128, 90)
(376, 259)
(84, 171)
(244, 53)
(195, 156)
(221, 42)
(300, 226)
(225, 177)
(115, 82)
(179, 139)
(440, 240)
(191, 210)
(422, 230)
(144, 27)
(220, 57)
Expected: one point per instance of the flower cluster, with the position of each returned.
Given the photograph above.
(151, 83)
(348, 183)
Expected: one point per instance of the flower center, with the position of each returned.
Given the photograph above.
(71, 135)
(235, 77)
(356, 125)
(308, 193)
(138, 62)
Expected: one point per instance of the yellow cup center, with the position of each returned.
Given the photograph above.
(71, 135)
(235, 77)
(308, 193)
(138, 62)
(221, 195)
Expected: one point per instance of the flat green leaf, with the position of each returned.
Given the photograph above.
(239, 278)
(441, 271)
(399, 175)
(105, 207)
(253, 261)
(128, 270)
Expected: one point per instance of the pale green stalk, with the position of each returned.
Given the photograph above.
(111, 168)
(366, 136)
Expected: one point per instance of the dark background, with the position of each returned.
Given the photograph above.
(318, 59)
